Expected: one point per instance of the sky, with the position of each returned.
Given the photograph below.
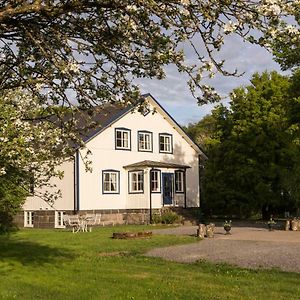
(174, 95)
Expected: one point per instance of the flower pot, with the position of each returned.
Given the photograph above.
(227, 229)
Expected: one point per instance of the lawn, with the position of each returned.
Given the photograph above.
(49, 264)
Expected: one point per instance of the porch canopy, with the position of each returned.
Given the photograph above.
(156, 164)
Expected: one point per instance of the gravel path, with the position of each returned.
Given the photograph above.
(246, 247)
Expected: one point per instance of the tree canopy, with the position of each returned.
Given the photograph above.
(255, 157)
(287, 51)
(91, 51)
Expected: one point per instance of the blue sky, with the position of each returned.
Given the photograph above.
(173, 94)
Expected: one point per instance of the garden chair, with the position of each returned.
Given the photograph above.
(90, 221)
(75, 223)
(97, 219)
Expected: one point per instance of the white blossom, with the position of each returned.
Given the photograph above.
(230, 27)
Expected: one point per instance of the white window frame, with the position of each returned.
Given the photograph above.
(167, 145)
(155, 181)
(179, 181)
(28, 218)
(113, 180)
(125, 139)
(145, 144)
(136, 182)
(59, 219)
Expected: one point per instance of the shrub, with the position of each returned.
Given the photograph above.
(169, 217)
(156, 219)
(12, 197)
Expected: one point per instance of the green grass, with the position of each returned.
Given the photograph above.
(48, 264)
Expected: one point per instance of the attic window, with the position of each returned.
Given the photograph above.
(165, 143)
(145, 141)
(145, 111)
(122, 139)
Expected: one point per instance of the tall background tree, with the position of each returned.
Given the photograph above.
(254, 149)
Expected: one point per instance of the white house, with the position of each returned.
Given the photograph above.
(141, 162)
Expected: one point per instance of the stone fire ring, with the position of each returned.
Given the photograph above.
(132, 235)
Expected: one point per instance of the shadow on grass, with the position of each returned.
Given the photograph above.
(31, 253)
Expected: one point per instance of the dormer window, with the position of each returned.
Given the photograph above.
(165, 143)
(122, 139)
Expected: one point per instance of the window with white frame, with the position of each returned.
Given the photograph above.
(59, 219)
(155, 181)
(122, 137)
(165, 143)
(136, 181)
(110, 182)
(28, 218)
(144, 141)
(179, 181)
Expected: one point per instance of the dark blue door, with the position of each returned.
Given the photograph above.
(167, 187)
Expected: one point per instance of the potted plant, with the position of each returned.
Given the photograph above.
(227, 226)
(271, 224)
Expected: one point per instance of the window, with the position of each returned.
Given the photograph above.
(122, 138)
(155, 181)
(136, 182)
(28, 218)
(145, 141)
(179, 181)
(110, 182)
(59, 219)
(145, 111)
(165, 143)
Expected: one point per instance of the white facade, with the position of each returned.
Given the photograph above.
(109, 185)
(65, 185)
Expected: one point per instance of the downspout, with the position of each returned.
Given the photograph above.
(150, 195)
(184, 187)
(77, 181)
(74, 183)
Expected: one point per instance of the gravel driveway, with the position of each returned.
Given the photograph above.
(246, 247)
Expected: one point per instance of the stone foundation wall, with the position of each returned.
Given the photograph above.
(43, 219)
(46, 218)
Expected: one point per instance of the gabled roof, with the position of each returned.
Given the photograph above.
(156, 164)
(99, 118)
(104, 116)
(175, 125)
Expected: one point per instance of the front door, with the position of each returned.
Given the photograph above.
(167, 187)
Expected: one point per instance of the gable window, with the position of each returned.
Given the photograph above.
(165, 143)
(28, 218)
(179, 182)
(136, 181)
(145, 141)
(122, 138)
(155, 181)
(110, 182)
